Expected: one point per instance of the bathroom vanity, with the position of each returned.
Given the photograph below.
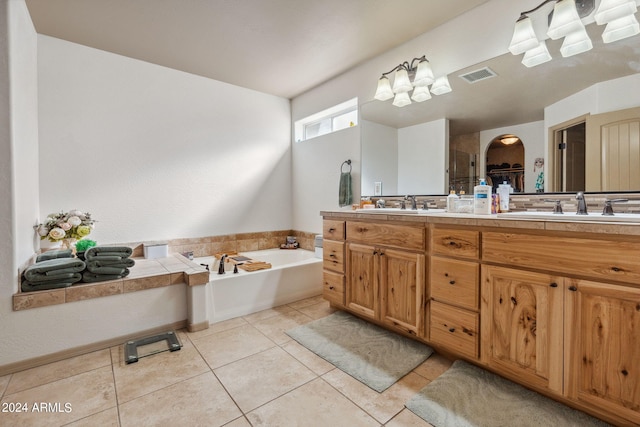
(550, 303)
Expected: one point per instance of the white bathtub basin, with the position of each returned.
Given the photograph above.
(572, 216)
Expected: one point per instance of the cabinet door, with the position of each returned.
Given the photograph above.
(603, 346)
(362, 285)
(402, 289)
(522, 325)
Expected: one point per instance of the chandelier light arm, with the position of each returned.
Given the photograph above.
(524, 14)
(406, 65)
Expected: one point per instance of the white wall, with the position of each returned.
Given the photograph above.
(316, 176)
(154, 153)
(379, 158)
(532, 136)
(423, 158)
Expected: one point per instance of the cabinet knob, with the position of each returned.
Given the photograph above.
(452, 282)
(331, 288)
(332, 255)
(573, 288)
(331, 230)
(452, 329)
(554, 285)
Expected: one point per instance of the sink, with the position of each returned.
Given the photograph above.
(572, 216)
(398, 211)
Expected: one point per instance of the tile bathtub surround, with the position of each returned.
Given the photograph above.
(220, 377)
(145, 274)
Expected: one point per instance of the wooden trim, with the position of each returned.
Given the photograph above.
(195, 327)
(84, 349)
(553, 169)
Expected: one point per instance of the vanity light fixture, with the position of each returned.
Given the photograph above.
(420, 71)
(566, 22)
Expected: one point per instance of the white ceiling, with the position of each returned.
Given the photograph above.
(286, 47)
(281, 47)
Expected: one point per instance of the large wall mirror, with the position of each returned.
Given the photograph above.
(430, 147)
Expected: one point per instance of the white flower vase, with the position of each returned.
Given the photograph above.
(46, 245)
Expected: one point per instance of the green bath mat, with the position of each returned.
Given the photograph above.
(468, 396)
(372, 355)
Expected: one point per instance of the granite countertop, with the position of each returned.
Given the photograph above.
(559, 223)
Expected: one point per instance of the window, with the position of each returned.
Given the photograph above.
(330, 120)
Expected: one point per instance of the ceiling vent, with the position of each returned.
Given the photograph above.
(478, 75)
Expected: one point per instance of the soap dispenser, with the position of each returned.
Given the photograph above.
(482, 198)
(451, 200)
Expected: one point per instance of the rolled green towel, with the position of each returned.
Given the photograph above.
(345, 192)
(121, 251)
(110, 262)
(53, 267)
(51, 278)
(58, 253)
(89, 277)
(27, 286)
(106, 270)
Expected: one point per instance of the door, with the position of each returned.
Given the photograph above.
(522, 325)
(402, 289)
(361, 293)
(603, 346)
(613, 151)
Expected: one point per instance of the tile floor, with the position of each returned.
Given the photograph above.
(241, 372)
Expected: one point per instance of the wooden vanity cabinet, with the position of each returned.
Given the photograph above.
(386, 274)
(333, 267)
(522, 325)
(454, 276)
(602, 346)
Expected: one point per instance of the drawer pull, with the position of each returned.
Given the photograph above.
(573, 288)
(332, 255)
(331, 230)
(554, 285)
(452, 329)
(452, 282)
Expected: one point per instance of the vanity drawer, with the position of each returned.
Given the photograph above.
(400, 236)
(333, 287)
(332, 229)
(333, 256)
(455, 329)
(455, 282)
(459, 243)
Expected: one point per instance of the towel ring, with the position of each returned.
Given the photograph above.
(348, 163)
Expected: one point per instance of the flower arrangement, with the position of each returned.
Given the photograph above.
(64, 226)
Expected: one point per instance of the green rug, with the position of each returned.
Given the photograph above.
(466, 396)
(372, 355)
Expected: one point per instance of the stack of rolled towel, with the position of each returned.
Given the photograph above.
(52, 270)
(107, 263)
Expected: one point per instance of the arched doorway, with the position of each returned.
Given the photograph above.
(505, 162)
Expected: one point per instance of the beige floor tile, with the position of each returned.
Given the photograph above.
(229, 346)
(198, 401)
(306, 302)
(314, 404)
(4, 382)
(275, 327)
(318, 311)
(382, 406)
(67, 400)
(257, 379)
(155, 372)
(406, 418)
(433, 367)
(108, 418)
(218, 327)
(239, 422)
(265, 314)
(58, 370)
(308, 358)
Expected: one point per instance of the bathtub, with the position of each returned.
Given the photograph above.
(294, 275)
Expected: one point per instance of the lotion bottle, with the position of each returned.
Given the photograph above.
(504, 189)
(482, 198)
(451, 201)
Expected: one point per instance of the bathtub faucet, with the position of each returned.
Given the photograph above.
(221, 266)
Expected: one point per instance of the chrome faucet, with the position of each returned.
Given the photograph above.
(582, 204)
(414, 205)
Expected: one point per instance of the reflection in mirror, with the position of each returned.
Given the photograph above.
(505, 163)
(549, 94)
